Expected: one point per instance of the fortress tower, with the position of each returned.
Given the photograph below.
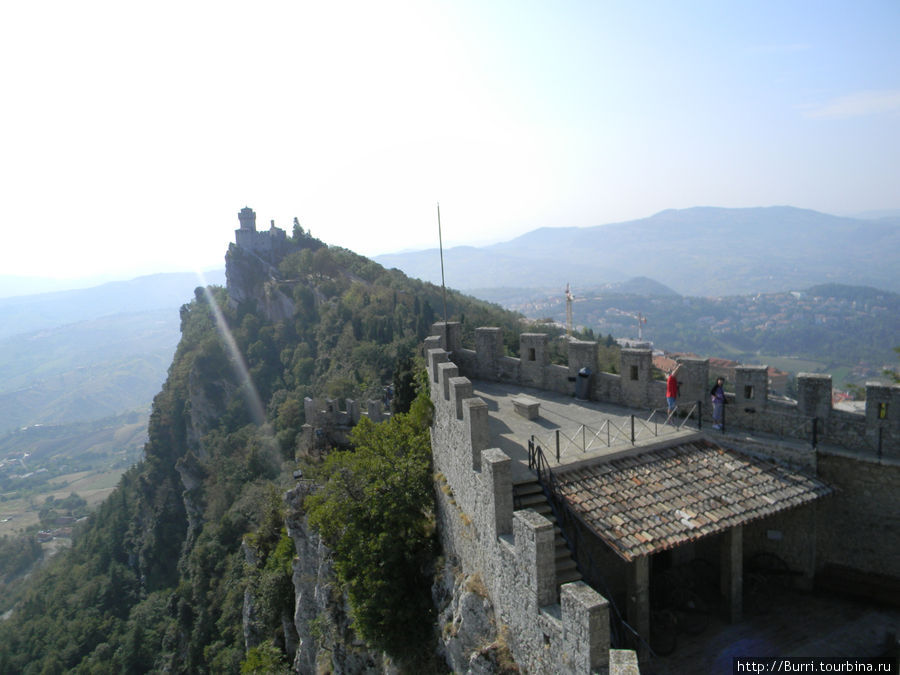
(247, 218)
(266, 243)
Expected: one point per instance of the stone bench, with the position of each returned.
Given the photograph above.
(527, 407)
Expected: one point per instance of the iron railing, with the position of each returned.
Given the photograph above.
(611, 431)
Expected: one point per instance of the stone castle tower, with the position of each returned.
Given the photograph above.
(261, 243)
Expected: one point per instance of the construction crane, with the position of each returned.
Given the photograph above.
(569, 299)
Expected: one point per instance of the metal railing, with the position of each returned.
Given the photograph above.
(586, 438)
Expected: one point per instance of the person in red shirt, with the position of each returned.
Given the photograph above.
(672, 388)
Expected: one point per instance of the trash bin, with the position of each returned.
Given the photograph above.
(583, 384)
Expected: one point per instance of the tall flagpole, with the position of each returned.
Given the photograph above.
(443, 285)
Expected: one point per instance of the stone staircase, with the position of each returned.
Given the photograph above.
(530, 495)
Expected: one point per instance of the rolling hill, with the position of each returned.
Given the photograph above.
(698, 251)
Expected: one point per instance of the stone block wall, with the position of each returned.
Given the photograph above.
(859, 525)
(789, 535)
(327, 424)
(513, 552)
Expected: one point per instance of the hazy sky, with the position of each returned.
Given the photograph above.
(133, 133)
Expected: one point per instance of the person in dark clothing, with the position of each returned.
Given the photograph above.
(717, 394)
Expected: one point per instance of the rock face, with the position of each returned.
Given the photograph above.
(251, 278)
(470, 641)
(321, 616)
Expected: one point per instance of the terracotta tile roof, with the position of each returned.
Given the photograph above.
(643, 503)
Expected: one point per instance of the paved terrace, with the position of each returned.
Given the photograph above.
(587, 429)
(791, 623)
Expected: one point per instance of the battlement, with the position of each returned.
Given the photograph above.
(513, 551)
(327, 425)
(264, 243)
(812, 418)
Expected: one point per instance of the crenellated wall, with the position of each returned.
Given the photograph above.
(875, 433)
(326, 424)
(512, 551)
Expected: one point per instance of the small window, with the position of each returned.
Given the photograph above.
(531, 355)
(748, 391)
(634, 372)
(882, 411)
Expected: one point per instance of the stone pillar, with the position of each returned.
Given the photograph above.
(814, 396)
(623, 662)
(446, 371)
(475, 419)
(488, 350)
(373, 408)
(635, 367)
(731, 563)
(460, 389)
(533, 358)
(582, 354)
(449, 333)
(883, 418)
(434, 357)
(585, 627)
(751, 388)
(534, 541)
(693, 383)
(637, 607)
(431, 342)
(353, 409)
(497, 476)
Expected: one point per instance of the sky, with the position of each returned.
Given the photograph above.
(131, 134)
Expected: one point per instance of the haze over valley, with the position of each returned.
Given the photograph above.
(386, 337)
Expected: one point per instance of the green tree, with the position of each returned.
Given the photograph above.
(375, 511)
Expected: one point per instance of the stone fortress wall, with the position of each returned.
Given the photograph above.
(512, 551)
(875, 432)
(327, 425)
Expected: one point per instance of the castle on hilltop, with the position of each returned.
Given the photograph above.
(262, 243)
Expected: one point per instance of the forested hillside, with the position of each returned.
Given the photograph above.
(158, 579)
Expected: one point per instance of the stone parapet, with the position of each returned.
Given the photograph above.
(877, 432)
(512, 551)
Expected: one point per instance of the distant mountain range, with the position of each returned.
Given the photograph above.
(700, 251)
(80, 355)
(24, 313)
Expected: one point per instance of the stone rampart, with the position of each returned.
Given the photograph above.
(327, 425)
(876, 433)
(859, 525)
(512, 551)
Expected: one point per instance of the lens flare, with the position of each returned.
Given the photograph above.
(257, 410)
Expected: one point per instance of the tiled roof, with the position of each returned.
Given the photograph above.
(647, 502)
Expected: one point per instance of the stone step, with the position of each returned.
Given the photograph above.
(529, 488)
(530, 495)
(562, 553)
(564, 565)
(531, 501)
(567, 577)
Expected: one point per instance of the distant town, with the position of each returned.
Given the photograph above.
(847, 331)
